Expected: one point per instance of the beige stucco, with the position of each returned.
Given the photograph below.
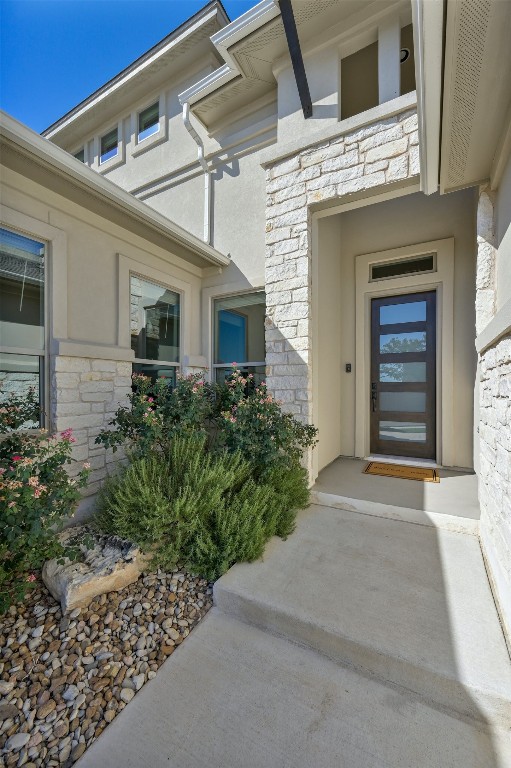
(369, 230)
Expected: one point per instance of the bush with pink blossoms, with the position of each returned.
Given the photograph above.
(36, 497)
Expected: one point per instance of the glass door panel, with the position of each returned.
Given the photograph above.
(403, 375)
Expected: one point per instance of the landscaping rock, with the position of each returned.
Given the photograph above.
(59, 697)
(109, 565)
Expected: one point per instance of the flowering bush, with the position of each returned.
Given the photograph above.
(36, 496)
(215, 471)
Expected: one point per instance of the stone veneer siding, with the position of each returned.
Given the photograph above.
(85, 393)
(378, 154)
(494, 419)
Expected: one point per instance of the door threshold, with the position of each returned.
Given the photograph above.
(426, 463)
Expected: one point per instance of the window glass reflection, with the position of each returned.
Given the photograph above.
(154, 317)
(409, 312)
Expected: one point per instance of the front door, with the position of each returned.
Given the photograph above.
(403, 375)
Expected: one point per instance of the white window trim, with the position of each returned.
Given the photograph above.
(55, 284)
(139, 147)
(443, 282)
(119, 158)
(210, 295)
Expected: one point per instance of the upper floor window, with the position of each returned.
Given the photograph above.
(239, 335)
(22, 319)
(155, 329)
(149, 121)
(80, 155)
(109, 145)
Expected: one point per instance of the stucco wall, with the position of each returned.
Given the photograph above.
(392, 224)
(89, 265)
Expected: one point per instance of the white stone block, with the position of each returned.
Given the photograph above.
(72, 409)
(382, 137)
(284, 167)
(104, 365)
(398, 168)
(71, 364)
(391, 149)
(364, 182)
(415, 166)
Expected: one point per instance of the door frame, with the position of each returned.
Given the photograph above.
(440, 280)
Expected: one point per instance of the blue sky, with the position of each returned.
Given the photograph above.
(54, 53)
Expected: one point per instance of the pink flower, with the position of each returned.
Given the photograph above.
(86, 465)
(67, 434)
(150, 399)
(33, 481)
(31, 577)
(17, 458)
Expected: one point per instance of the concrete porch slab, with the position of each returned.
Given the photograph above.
(233, 696)
(404, 602)
(451, 504)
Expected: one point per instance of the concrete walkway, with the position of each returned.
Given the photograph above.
(360, 642)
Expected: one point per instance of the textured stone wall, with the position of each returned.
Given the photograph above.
(85, 393)
(494, 418)
(373, 156)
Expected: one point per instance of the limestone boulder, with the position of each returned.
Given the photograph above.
(105, 564)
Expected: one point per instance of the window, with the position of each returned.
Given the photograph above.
(109, 146)
(22, 311)
(149, 121)
(359, 81)
(81, 155)
(155, 329)
(239, 335)
(401, 267)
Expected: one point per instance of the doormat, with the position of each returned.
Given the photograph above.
(403, 471)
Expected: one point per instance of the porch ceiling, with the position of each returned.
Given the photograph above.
(477, 96)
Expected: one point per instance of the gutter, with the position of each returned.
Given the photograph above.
(207, 173)
(46, 154)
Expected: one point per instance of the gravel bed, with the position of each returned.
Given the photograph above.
(63, 679)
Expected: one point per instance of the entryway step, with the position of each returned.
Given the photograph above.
(454, 523)
(409, 604)
(233, 696)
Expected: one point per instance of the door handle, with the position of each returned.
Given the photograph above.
(374, 395)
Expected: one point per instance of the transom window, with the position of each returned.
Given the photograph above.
(239, 335)
(149, 121)
(22, 313)
(109, 145)
(155, 329)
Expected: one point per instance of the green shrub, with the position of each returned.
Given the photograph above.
(199, 508)
(36, 497)
(215, 472)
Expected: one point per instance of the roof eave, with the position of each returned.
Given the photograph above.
(45, 153)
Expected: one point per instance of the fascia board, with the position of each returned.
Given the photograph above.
(127, 75)
(428, 20)
(225, 38)
(46, 153)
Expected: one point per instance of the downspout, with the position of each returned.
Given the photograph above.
(207, 173)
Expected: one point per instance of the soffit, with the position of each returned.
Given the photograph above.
(151, 74)
(477, 89)
(256, 54)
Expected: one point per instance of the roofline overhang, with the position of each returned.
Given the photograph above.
(428, 17)
(45, 154)
(237, 30)
(172, 40)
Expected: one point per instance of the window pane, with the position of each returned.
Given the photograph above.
(239, 329)
(402, 267)
(81, 155)
(156, 372)
(154, 321)
(403, 342)
(109, 144)
(409, 312)
(18, 375)
(21, 291)
(403, 431)
(149, 121)
(258, 372)
(403, 401)
(403, 372)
